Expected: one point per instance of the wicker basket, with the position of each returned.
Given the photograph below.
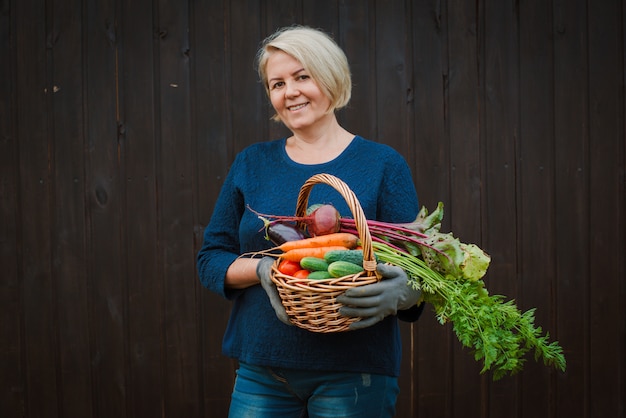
(311, 304)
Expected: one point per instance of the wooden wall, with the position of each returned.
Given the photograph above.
(118, 122)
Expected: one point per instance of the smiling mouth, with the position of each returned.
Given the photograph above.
(297, 107)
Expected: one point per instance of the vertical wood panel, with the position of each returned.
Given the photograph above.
(68, 230)
(146, 348)
(175, 215)
(392, 93)
(391, 76)
(430, 55)
(430, 168)
(356, 38)
(323, 14)
(35, 88)
(106, 278)
(536, 188)
(277, 14)
(11, 336)
(572, 208)
(249, 111)
(463, 208)
(211, 112)
(606, 197)
(500, 135)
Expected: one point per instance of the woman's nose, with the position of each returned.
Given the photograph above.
(291, 90)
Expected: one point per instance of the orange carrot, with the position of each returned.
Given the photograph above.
(298, 254)
(343, 239)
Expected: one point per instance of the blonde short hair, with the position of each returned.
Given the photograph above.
(319, 54)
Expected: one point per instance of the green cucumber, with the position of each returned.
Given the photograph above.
(319, 275)
(314, 264)
(342, 268)
(352, 256)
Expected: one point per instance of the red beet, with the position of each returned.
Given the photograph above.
(323, 220)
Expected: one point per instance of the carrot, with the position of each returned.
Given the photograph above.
(298, 254)
(344, 239)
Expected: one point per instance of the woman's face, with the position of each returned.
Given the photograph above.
(295, 96)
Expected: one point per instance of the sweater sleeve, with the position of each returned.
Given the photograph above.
(398, 188)
(220, 247)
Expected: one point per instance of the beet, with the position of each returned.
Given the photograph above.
(324, 220)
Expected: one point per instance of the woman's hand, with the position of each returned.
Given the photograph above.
(374, 302)
(264, 271)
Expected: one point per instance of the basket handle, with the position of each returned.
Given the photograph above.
(369, 261)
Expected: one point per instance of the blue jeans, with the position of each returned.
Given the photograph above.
(263, 392)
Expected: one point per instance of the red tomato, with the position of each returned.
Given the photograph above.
(301, 274)
(289, 268)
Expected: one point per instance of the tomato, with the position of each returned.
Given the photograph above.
(301, 274)
(289, 267)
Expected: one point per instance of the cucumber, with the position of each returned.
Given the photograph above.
(342, 268)
(352, 256)
(314, 264)
(319, 275)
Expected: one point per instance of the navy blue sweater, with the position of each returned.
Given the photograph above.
(265, 178)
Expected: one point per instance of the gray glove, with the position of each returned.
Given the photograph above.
(374, 302)
(263, 270)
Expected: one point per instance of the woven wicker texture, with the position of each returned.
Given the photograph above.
(311, 304)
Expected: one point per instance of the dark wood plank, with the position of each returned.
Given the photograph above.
(391, 94)
(40, 349)
(106, 245)
(69, 229)
(12, 398)
(211, 112)
(463, 122)
(430, 161)
(276, 14)
(607, 212)
(463, 208)
(322, 14)
(250, 109)
(499, 135)
(146, 393)
(392, 86)
(536, 241)
(356, 37)
(175, 224)
(572, 231)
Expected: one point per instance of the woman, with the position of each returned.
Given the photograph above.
(285, 371)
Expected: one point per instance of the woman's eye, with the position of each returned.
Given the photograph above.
(303, 77)
(276, 85)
